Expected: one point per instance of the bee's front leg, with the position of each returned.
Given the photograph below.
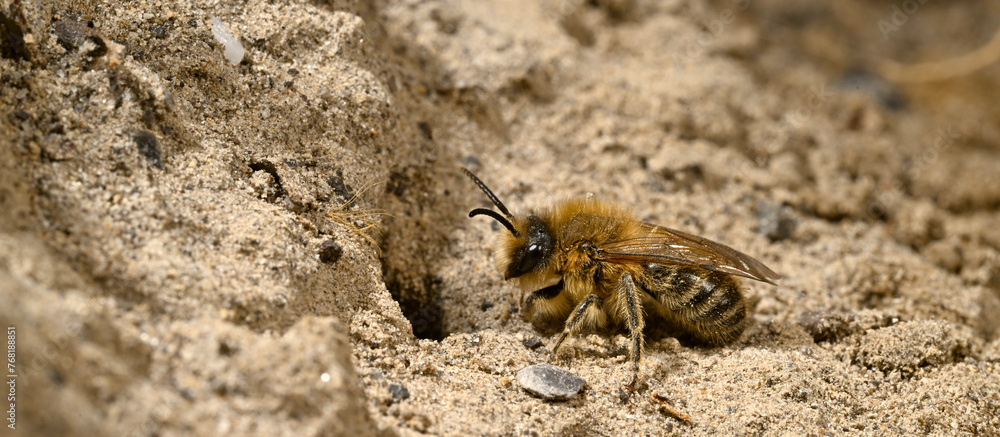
(573, 322)
(547, 293)
(628, 293)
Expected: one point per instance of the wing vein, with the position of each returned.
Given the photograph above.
(669, 246)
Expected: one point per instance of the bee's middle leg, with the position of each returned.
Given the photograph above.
(629, 293)
(573, 322)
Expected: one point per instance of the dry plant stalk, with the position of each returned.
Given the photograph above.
(942, 70)
(670, 410)
(348, 218)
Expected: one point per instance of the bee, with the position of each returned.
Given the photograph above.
(595, 264)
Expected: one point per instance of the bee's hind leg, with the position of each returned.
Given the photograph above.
(628, 293)
(573, 322)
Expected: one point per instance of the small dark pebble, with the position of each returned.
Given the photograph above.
(775, 221)
(425, 128)
(532, 343)
(471, 161)
(22, 115)
(330, 251)
(397, 183)
(149, 146)
(485, 305)
(336, 181)
(399, 392)
(193, 22)
(624, 395)
(288, 84)
(226, 349)
(72, 32)
(293, 71)
(549, 382)
(159, 31)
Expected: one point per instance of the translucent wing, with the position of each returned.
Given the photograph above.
(669, 246)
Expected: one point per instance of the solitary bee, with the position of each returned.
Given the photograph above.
(594, 262)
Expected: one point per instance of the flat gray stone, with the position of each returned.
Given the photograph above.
(549, 382)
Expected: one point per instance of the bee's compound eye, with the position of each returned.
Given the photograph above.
(534, 253)
(530, 257)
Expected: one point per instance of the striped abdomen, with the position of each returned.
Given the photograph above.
(707, 304)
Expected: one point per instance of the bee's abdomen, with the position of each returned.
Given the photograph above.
(707, 304)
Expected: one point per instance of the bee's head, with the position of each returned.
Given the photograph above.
(529, 245)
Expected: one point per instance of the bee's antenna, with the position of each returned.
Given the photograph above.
(489, 193)
(505, 221)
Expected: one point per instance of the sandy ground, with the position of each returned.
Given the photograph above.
(280, 247)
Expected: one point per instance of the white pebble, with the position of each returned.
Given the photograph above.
(549, 382)
(234, 50)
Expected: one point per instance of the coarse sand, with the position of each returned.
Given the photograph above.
(190, 247)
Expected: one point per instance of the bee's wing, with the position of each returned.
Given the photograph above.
(669, 246)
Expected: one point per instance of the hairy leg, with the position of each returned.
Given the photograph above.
(628, 293)
(573, 323)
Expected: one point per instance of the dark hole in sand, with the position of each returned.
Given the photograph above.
(422, 307)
